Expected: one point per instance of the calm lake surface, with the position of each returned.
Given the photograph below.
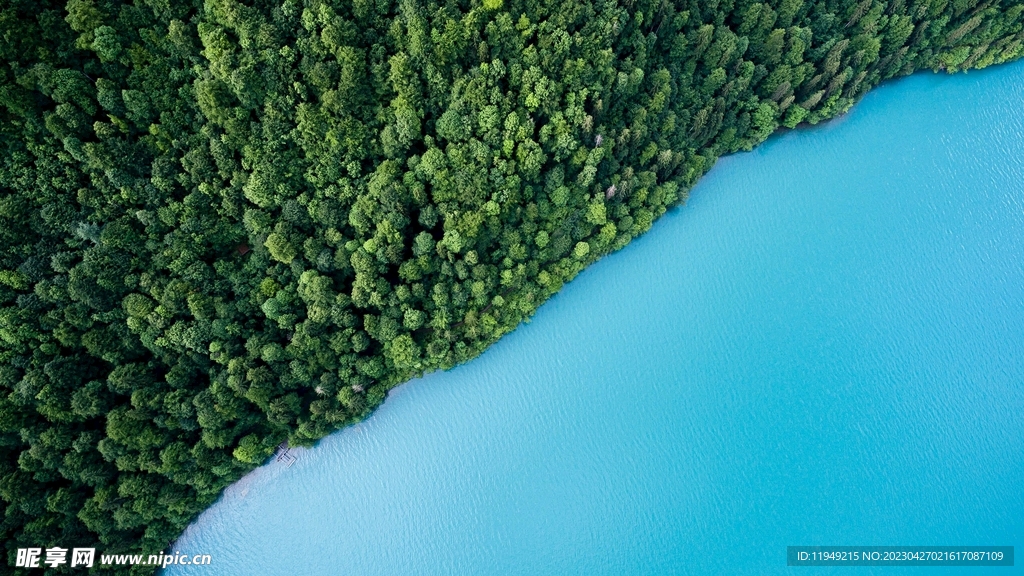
(825, 346)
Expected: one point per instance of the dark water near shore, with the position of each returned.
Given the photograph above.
(825, 346)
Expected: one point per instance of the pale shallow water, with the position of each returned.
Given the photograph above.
(825, 346)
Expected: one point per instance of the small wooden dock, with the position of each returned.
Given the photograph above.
(284, 454)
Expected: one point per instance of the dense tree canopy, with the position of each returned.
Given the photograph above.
(228, 224)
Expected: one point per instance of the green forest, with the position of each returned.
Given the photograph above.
(230, 224)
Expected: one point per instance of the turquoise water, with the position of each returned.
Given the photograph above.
(825, 346)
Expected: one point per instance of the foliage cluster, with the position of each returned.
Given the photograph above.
(230, 224)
